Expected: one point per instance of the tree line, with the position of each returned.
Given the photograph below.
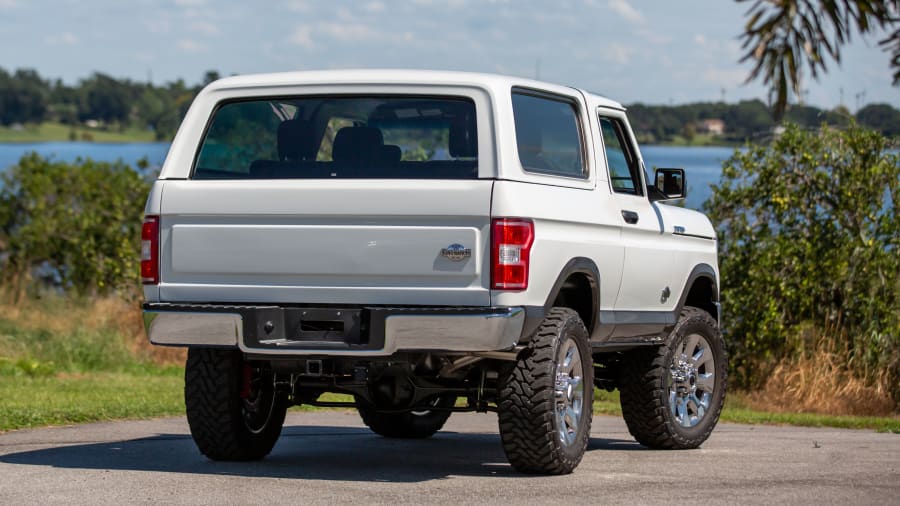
(28, 98)
(750, 120)
(114, 104)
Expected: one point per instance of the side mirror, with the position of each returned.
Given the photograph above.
(670, 185)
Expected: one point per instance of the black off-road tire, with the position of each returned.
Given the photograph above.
(412, 425)
(646, 379)
(528, 403)
(213, 381)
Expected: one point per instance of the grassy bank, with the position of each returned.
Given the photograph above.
(78, 398)
(737, 410)
(52, 132)
(61, 399)
(68, 361)
(64, 361)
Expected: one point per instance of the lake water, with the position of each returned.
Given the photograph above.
(702, 164)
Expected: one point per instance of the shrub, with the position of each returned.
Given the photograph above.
(809, 236)
(74, 226)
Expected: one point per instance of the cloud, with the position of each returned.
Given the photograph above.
(699, 39)
(302, 36)
(8, 4)
(622, 8)
(298, 6)
(455, 4)
(63, 39)
(189, 3)
(144, 56)
(732, 77)
(157, 25)
(375, 6)
(617, 53)
(348, 32)
(653, 36)
(204, 27)
(191, 46)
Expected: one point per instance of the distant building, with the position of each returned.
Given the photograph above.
(711, 126)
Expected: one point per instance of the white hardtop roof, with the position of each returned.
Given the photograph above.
(391, 76)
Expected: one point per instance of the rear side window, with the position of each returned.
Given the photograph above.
(390, 137)
(547, 135)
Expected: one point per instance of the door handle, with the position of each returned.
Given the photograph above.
(631, 217)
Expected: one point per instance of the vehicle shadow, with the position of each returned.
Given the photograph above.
(305, 452)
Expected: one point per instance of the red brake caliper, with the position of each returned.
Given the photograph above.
(245, 384)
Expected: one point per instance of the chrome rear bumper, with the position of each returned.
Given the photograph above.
(388, 330)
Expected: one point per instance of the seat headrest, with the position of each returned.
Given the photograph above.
(295, 140)
(355, 144)
(390, 154)
(463, 142)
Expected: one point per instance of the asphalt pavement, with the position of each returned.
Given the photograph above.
(330, 457)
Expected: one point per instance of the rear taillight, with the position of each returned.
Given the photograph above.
(511, 240)
(150, 250)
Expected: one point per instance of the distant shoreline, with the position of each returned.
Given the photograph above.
(58, 132)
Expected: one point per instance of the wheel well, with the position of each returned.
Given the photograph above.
(576, 293)
(702, 295)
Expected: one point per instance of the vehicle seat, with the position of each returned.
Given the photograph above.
(389, 155)
(357, 146)
(295, 140)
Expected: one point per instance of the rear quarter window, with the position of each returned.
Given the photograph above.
(548, 136)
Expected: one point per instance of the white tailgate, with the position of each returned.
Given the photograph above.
(324, 241)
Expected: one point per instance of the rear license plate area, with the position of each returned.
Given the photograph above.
(304, 327)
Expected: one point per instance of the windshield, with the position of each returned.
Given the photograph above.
(341, 137)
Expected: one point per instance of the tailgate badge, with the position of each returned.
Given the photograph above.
(456, 252)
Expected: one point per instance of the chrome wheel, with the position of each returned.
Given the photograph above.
(692, 380)
(569, 391)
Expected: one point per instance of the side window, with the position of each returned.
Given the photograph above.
(547, 135)
(623, 165)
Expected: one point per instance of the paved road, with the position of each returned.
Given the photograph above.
(328, 457)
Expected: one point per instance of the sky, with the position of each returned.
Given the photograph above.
(652, 51)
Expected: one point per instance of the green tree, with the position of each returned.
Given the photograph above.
(747, 118)
(809, 236)
(157, 110)
(73, 226)
(23, 97)
(782, 37)
(63, 103)
(880, 117)
(106, 99)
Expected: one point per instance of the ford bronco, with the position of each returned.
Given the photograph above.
(427, 243)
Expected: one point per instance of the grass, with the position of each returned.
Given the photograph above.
(65, 361)
(35, 401)
(68, 361)
(67, 399)
(738, 410)
(52, 131)
(699, 140)
(824, 377)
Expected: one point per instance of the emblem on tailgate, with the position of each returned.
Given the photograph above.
(456, 252)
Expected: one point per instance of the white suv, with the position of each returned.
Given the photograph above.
(429, 242)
